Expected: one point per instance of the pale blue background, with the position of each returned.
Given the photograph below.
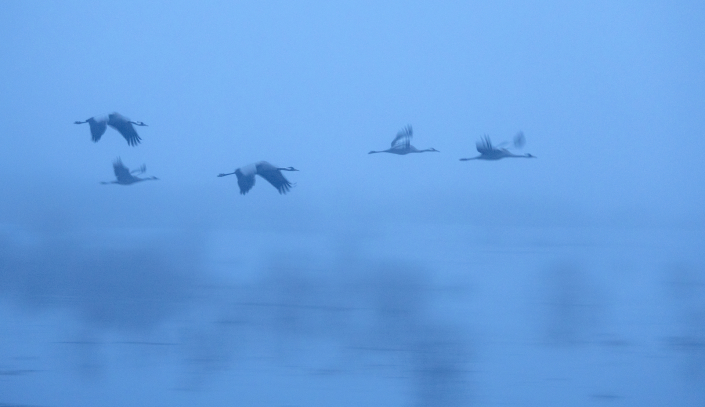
(573, 279)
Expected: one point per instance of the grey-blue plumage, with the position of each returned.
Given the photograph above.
(122, 124)
(125, 176)
(246, 176)
(401, 145)
(489, 152)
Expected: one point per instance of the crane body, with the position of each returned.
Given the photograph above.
(492, 153)
(246, 176)
(125, 176)
(401, 145)
(98, 125)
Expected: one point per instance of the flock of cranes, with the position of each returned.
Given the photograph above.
(401, 145)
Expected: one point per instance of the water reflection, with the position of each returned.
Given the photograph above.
(154, 313)
(685, 287)
(337, 321)
(572, 304)
(123, 285)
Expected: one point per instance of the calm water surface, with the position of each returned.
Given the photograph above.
(406, 314)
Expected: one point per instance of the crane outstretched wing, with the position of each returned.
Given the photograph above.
(122, 173)
(141, 170)
(275, 177)
(403, 138)
(97, 128)
(123, 125)
(245, 182)
(484, 146)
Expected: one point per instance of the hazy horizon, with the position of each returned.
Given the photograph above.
(575, 278)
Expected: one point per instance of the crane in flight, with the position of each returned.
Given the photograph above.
(489, 152)
(401, 144)
(246, 176)
(122, 124)
(125, 176)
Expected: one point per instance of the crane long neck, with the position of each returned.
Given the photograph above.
(229, 173)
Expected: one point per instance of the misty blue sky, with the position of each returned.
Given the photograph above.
(609, 95)
(575, 278)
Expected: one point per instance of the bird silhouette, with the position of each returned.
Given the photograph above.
(489, 152)
(246, 176)
(124, 175)
(117, 121)
(401, 144)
